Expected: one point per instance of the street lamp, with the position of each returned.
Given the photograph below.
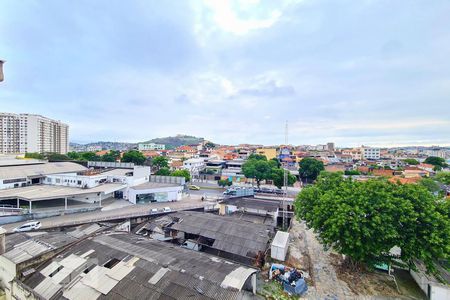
(1, 70)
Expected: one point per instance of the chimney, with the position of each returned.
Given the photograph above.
(2, 240)
(1, 70)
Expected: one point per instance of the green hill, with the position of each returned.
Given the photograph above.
(172, 142)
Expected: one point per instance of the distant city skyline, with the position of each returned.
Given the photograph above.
(232, 71)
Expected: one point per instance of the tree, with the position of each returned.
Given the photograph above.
(258, 169)
(56, 157)
(111, 156)
(278, 177)
(310, 168)
(90, 156)
(411, 161)
(352, 172)
(436, 161)
(159, 162)
(133, 156)
(182, 173)
(443, 177)
(257, 157)
(364, 220)
(224, 182)
(163, 172)
(430, 185)
(276, 163)
(34, 155)
(74, 155)
(210, 145)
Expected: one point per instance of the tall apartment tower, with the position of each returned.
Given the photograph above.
(22, 133)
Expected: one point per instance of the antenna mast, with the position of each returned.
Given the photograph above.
(285, 177)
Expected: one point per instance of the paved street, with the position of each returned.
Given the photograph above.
(191, 201)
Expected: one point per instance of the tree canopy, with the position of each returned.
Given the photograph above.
(436, 161)
(34, 155)
(310, 168)
(224, 182)
(443, 177)
(133, 156)
(364, 220)
(159, 162)
(182, 173)
(163, 172)
(411, 161)
(277, 176)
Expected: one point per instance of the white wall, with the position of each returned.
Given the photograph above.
(173, 193)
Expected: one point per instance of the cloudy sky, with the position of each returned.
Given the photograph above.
(353, 72)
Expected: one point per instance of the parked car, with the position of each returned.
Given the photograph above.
(34, 225)
(194, 187)
(167, 209)
(154, 211)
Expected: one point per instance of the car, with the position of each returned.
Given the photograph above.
(167, 209)
(154, 211)
(194, 187)
(33, 225)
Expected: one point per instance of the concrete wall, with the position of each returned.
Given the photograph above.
(437, 291)
(173, 193)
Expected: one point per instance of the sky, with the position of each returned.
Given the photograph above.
(350, 72)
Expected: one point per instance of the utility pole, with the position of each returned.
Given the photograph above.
(285, 179)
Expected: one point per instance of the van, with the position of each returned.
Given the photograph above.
(34, 225)
(154, 211)
(167, 209)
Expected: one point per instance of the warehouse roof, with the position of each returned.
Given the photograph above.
(229, 234)
(154, 185)
(12, 172)
(43, 192)
(127, 266)
(253, 203)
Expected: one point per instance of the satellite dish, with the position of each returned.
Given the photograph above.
(1, 70)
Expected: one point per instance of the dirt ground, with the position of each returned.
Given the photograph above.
(327, 279)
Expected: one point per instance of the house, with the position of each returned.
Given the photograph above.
(383, 172)
(269, 153)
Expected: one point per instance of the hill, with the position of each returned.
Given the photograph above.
(172, 142)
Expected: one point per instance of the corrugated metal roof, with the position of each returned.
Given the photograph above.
(47, 288)
(12, 172)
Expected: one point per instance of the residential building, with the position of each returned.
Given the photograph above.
(151, 146)
(22, 133)
(194, 165)
(370, 153)
(269, 153)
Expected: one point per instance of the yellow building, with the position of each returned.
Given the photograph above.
(269, 153)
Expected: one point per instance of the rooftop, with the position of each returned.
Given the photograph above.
(39, 170)
(154, 185)
(127, 266)
(254, 203)
(42, 192)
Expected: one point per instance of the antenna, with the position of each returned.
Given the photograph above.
(285, 177)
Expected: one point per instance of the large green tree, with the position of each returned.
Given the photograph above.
(159, 162)
(133, 156)
(34, 155)
(182, 173)
(90, 156)
(258, 169)
(310, 168)
(163, 172)
(111, 156)
(277, 176)
(436, 161)
(443, 177)
(364, 220)
(411, 161)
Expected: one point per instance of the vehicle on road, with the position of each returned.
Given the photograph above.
(167, 209)
(154, 211)
(194, 187)
(34, 225)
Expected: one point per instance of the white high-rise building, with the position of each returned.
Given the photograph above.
(370, 153)
(22, 133)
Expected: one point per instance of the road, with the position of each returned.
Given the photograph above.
(187, 202)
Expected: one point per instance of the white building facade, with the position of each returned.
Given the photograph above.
(370, 153)
(151, 146)
(22, 133)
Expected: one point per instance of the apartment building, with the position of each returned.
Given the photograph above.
(22, 133)
(370, 153)
(151, 146)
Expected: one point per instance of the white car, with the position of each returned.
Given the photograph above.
(34, 225)
(154, 211)
(167, 209)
